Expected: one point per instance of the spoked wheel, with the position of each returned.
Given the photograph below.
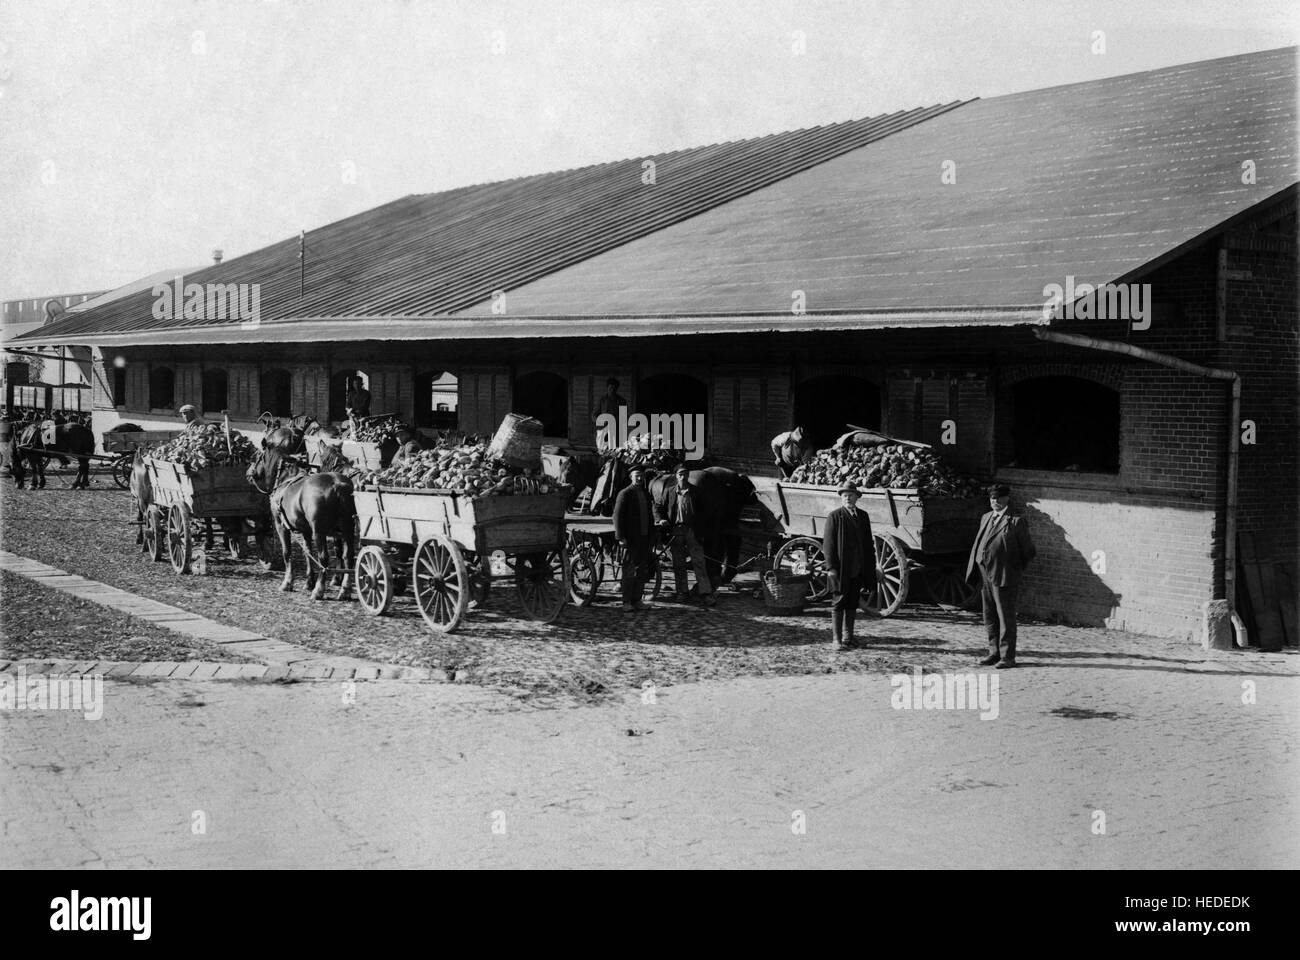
(374, 580)
(542, 581)
(180, 546)
(891, 577)
(441, 583)
(948, 588)
(122, 470)
(586, 570)
(803, 557)
(155, 538)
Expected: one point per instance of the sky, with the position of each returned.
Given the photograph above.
(140, 136)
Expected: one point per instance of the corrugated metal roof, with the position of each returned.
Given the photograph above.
(1093, 179)
(434, 254)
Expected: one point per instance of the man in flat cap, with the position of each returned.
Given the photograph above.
(193, 422)
(1001, 551)
(850, 563)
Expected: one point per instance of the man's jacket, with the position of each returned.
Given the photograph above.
(673, 497)
(633, 515)
(851, 557)
(1002, 549)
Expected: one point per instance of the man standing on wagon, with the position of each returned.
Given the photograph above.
(850, 563)
(193, 422)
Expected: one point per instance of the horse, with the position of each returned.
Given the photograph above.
(141, 493)
(67, 438)
(579, 473)
(288, 438)
(721, 495)
(317, 505)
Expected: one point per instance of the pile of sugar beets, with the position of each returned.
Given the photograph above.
(207, 448)
(461, 468)
(893, 465)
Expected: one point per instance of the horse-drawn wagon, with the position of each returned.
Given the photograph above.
(914, 533)
(122, 445)
(183, 497)
(443, 542)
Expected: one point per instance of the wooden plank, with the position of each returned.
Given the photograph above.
(1268, 621)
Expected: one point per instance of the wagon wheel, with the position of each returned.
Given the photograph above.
(949, 588)
(374, 580)
(180, 546)
(542, 581)
(803, 557)
(122, 470)
(155, 540)
(892, 577)
(586, 570)
(441, 583)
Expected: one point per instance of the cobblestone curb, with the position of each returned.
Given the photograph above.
(267, 650)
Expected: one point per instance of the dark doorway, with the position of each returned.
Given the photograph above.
(277, 392)
(338, 407)
(215, 391)
(1065, 423)
(544, 395)
(162, 388)
(825, 406)
(670, 393)
(436, 397)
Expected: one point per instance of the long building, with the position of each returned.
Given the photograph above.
(918, 272)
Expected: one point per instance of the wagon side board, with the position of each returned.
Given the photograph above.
(511, 524)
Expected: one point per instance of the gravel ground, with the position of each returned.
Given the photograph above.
(43, 623)
(587, 652)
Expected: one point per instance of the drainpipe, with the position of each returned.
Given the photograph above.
(1234, 440)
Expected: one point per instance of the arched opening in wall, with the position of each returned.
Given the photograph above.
(1065, 423)
(275, 387)
(346, 386)
(215, 383)
(544, 395)
(674, 393)
(825, 406)
(436, 393)
(162, 388)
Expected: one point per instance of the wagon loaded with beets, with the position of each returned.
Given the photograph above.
(197, 481)
(924, 517)
(459, 520)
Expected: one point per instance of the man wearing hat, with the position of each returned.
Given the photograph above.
(193, 422)
(677, 515)
(409, 447)
(1001, 551)
(850, 563)
(634, 530)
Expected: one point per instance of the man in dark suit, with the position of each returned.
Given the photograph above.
(1001, 551)
(634, 528)
(850, 563)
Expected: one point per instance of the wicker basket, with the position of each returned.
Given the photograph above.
(786, 592)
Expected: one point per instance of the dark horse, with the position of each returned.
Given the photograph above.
(288, 437)
(67, 438)
(721, 496)
(318, 506)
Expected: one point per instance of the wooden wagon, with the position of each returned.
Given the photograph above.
(446, 541)
(914, 534)
(120, 447)
(183, 497)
